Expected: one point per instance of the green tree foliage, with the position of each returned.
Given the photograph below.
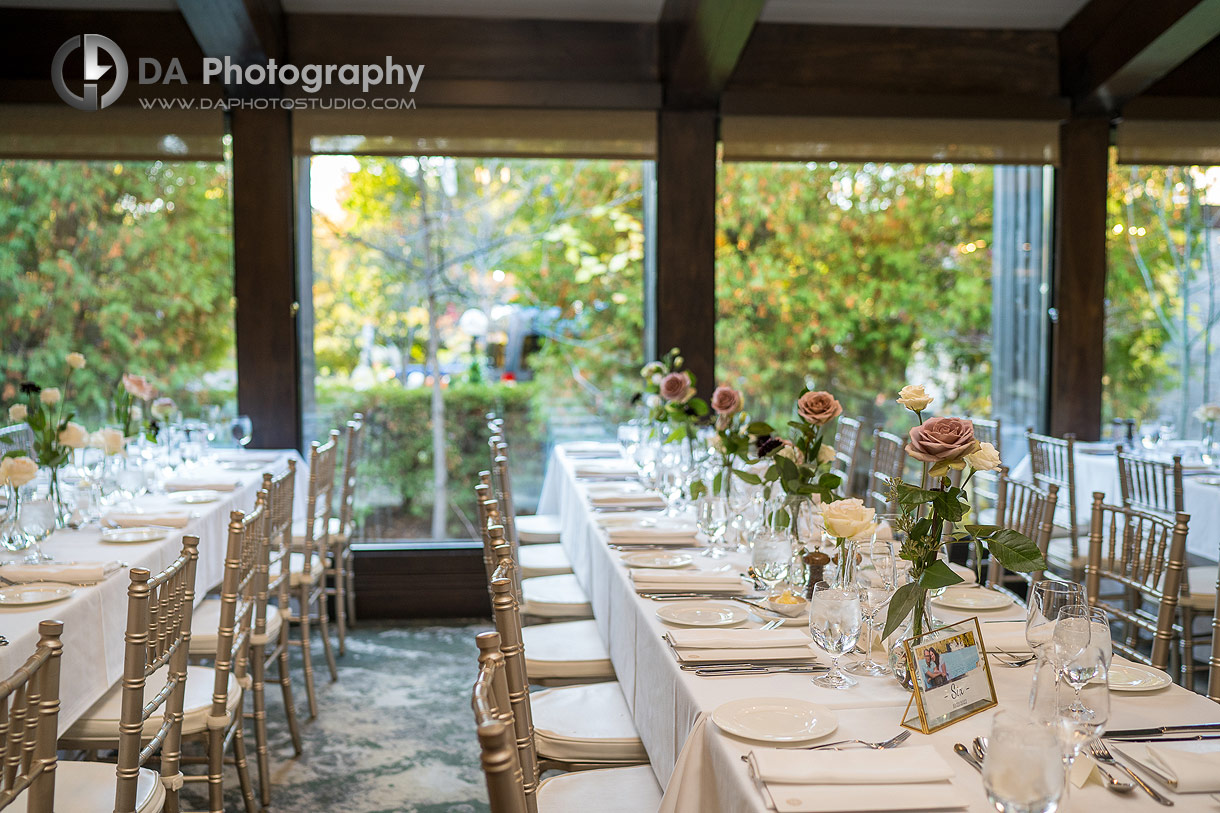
(128, 263)
(854, 278)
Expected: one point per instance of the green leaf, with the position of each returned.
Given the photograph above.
(748, 477)
(698, 489)
(948, 506)
(717, 482)
(901, 605)
(938, 575)
(760, 428)
(830, 481)
(916, 496)
(981, 530)
(787, 469)
(1016, 551)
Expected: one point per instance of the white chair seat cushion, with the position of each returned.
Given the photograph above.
(101, 723)
(1202, 582)
(585, 723)
(296, 564)
(554, 597)
(543, 560)
(205, 627)
(534, 528)
(566, 649)
(1059, 551)
(606, 790)
(298, 530)
(88, 787)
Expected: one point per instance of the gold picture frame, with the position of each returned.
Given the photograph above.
(950, 675)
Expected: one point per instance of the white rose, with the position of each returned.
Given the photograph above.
(17, 413)
(826, 454)
(656, 379)
(848, 519)
(652, 400)
(1208, 412)
(76, 361)
(913, 397)
(163, 407)
(792, 453)
(49, 396)
(717, 443)
(17, 471)
(74, 436)
(985, 459)
(112, 441)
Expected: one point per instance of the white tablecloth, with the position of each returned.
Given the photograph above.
(1097, 470)
(95, 616)
(701, 767)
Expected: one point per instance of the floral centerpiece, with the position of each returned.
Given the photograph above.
(669, 395)
(932, 512)
(130, 403)
(16, 470)
(800, 465)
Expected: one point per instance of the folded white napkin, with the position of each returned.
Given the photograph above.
(577, 447)
(200, 485)
(779, 653)
(636, 499)
(737, 638)
(595, 467)
(912, 764)
(649, 533)
(1005, 636)
(615, 489)
(136, 519)
(665, 579)
(71, 572)
(1189, 771)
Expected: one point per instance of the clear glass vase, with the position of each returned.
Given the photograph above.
(918, 622)
(794, 516)
(12, 536)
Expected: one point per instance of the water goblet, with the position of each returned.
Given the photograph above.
(1022, 770)
(242, 430)
(1046, 598)
(835, 618)
(711, 516)
(38, 521)
(770, 557)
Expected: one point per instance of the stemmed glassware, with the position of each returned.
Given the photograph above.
(1022, 770)
(770, 556)
(38, 521)
(875, 581)
(242, 430)
(1046, 598)
(835, 618)
(711, 518)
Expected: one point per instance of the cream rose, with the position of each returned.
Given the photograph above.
(985, 459)
(76, 361)
(49, 396)
(74, 436)
(137, 386)
(112, 441)
(1208, 412)
(17, 471)
(17, 413)
(163, 407)
(826, 454)
(913, 397)
(791, 452)
(848, 519)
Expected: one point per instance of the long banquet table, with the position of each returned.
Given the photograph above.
(701, 768)
(95, 616)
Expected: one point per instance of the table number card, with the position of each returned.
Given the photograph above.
(951, 676)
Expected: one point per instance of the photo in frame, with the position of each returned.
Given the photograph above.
(951, 676)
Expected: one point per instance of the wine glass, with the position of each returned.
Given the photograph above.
(131, 480)
(770, 557)
(874, 578)
(242, 430)
(629, 438)
(711, 515)
(1100, 634)
(835, 618)
(38, 521)
(1022, 769)
(1046, 598)
(1052, 704)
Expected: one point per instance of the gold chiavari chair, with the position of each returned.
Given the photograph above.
(342, 541)
(1144, 554)
(570, 727)
(527, 529)
(1025, 508)
(984, 485)
(29, 713)
(17, 437)
(155, 676)
(1149, 485)
(560, 652)
(888, 458)
(1053, 462)
(1213, 662)
(307, 570)
(847, 449)
(511, 789)
(537, 557)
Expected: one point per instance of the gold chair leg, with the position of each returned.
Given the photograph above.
(216, 762)
(350, 573)
(258, 667)
(340, 577)
(285, 678)
(243, 768)
(307, 656)
(324, 625)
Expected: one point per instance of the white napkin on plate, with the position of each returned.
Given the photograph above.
(1190, 771)
(588, 447)
(635, 499)
(136, 519)
(898, 766)
(200, 485)
(646, 533)
(737, 638)
(779, 653)
(646, 579)
(1005, 636)
(610, 466)
(71, 572)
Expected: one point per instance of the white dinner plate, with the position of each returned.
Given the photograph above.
(702, 614)
(1131, 677)
(241, 465)
(972, 598)
(1207, 480)
(660, 558)
(142, 533)
(195, 497)
(26, 595)
(775, 719)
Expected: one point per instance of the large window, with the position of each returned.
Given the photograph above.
(128, 262)
(1162, 310)
(444, 288)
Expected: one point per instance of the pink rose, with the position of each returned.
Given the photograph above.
(938, 439)
(137, 386)
(818, 408)
(674, 386)
(726, 401)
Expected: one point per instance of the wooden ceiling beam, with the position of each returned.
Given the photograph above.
(701, 42)
(1114, 50)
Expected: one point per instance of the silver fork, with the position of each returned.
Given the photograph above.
(770, 625)
(1013, 661)
(893, 742)
(1102, 754)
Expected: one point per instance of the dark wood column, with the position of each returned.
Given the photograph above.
(268, 360)
(685, 300)
(1078, 323)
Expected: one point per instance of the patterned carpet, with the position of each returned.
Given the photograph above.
(394, 735)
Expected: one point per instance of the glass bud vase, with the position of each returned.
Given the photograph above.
(917, 622)
(1209, 442)
(12, 536)
(794, 516)
(63, 511)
